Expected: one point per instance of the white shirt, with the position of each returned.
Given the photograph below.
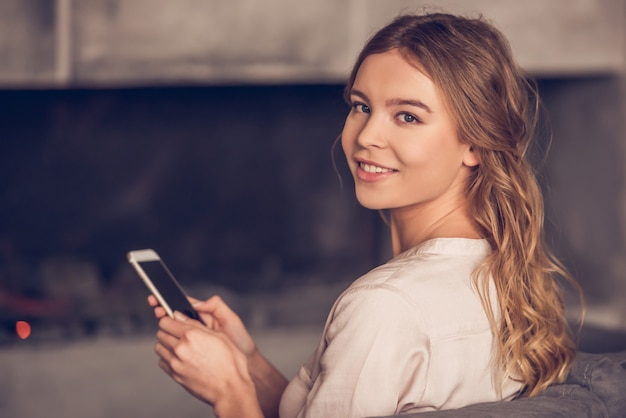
(409, 336)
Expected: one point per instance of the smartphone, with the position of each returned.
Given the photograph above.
(161, 282)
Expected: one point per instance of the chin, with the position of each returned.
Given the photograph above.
(372, 204)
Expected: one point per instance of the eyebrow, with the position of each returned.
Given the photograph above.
(396, 102)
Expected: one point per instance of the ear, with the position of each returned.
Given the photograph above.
(470, 159)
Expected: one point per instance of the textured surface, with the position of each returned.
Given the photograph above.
(147, 42)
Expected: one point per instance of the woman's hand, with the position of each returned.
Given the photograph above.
(221, 321)
(208, 365)
(218, 317)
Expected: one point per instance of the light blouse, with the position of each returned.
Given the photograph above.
(411, 335)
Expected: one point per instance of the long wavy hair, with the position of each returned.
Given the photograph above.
(496, 106)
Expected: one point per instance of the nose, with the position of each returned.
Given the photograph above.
(372, 133)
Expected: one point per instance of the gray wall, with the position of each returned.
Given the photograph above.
(139, 42)
(575, 48)
(585, 188)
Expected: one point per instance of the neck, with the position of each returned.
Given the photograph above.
(411, 226)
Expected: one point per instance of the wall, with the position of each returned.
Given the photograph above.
(584, 183)
(147, 42)
(92, 159)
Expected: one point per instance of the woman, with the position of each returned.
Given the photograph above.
(468, 310)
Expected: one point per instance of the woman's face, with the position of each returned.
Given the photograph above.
(399, 139)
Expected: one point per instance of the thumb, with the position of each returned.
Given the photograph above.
(179, 316)
(222, 317)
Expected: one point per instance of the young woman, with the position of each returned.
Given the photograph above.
(468, 310)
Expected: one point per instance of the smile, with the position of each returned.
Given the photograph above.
(369, 168)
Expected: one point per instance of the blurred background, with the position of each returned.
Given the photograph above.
(204, 129)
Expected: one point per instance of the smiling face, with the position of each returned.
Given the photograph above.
(399, 139)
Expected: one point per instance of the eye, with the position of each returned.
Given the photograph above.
(360, 107)
(408, 118)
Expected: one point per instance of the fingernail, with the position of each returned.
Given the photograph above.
(180, 316)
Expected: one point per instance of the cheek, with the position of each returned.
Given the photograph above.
(428, 164)
(412, 155)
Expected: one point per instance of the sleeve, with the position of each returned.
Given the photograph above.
(376, 357)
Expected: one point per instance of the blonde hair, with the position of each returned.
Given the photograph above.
(496, 106)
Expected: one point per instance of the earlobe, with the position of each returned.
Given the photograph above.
(471, 158)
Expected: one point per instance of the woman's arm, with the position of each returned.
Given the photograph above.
(269, 383)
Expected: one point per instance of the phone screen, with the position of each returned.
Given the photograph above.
(168, 287)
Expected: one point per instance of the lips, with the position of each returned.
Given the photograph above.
(371, 172)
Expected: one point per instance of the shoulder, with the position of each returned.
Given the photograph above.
(431, 260)
(376, 321)
(375, 297)
(437, 268)
(429, 288)
(372, 311)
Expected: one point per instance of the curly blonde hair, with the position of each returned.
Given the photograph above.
(496, 106)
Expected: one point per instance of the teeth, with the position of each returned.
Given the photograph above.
(374, 169)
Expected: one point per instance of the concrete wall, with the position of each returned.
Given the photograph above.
(577, 48)
(139, 42)
(585, 186)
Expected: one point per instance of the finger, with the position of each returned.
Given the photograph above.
(165, 359)
(218, 308)
(210, 305)
(208, 323)
(162, 351)
(180, 324)
(179, 316)
(164, 365)
(207, 320)
(169, 370)
(159, 312)
(152, 301)
(172, 326)
(168, 341)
